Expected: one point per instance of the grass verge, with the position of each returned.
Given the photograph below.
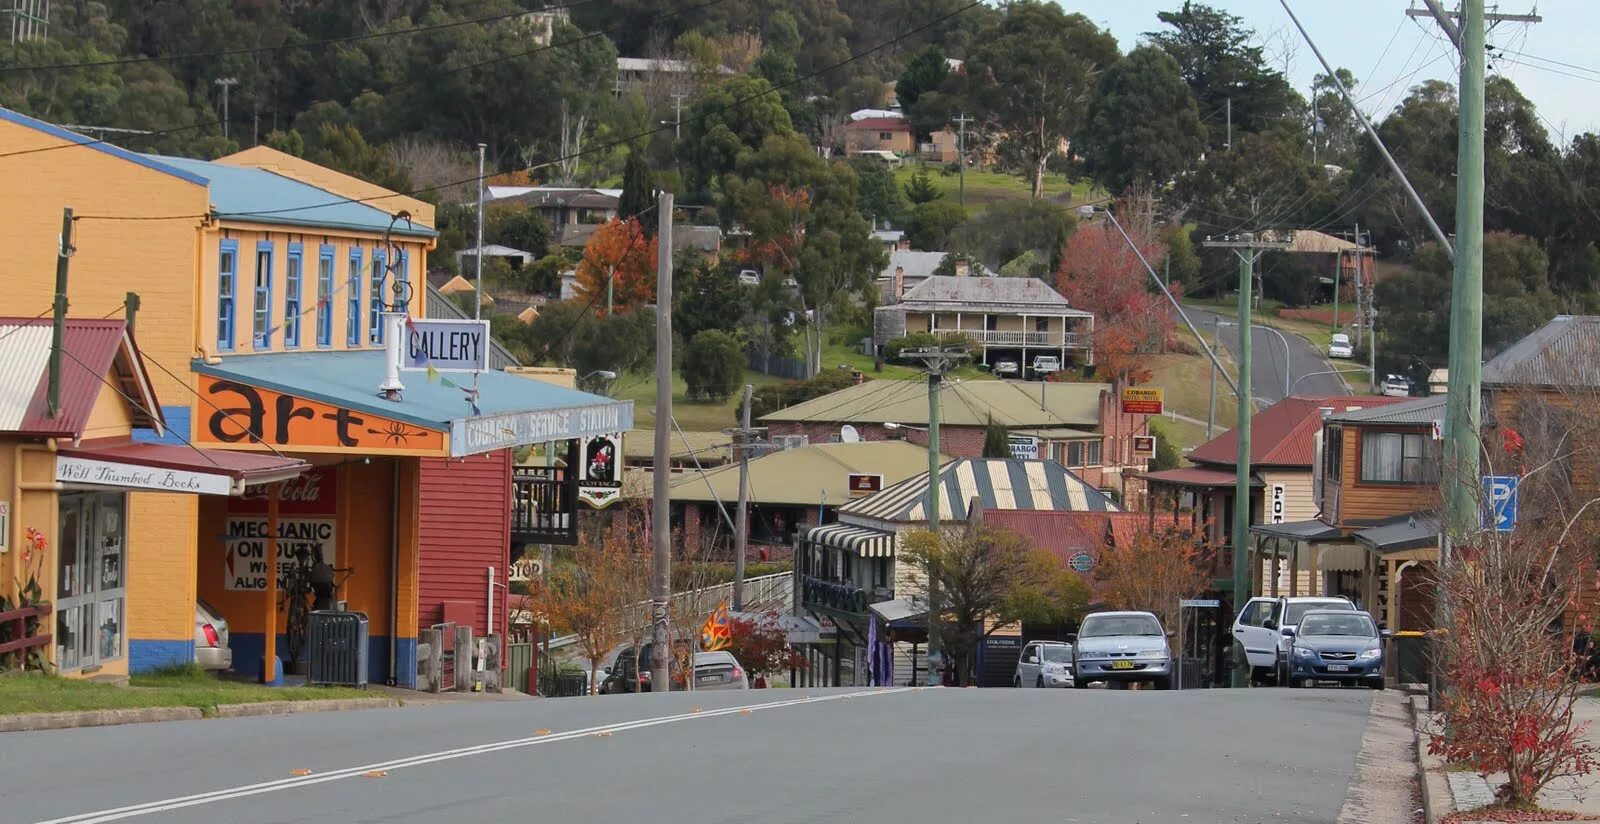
(178, 687)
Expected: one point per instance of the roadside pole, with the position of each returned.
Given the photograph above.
(661, 513)
(58, 324)
(1248, 248)
(937, 360)
(742, 517)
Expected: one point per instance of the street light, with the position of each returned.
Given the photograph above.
(605, 375)
(1328, 372)
(1287, 389)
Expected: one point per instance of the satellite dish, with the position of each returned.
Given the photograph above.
(848, 434)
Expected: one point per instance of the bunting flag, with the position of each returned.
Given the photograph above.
(716, 634)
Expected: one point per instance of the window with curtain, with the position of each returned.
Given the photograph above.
(227, 279)
(293, 266)
(380, 273)
(261, 327)
(352, 297)
(1398, 458)
(1333, 453)
(325, 296)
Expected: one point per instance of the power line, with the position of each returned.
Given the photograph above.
(244, 427)
(354, 38)
(773, 89)
(152, 412)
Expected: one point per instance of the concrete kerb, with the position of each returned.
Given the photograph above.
(1437, 801)
(29, 722)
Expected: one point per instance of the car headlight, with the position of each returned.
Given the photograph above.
(1370, 654)
(1304, 652)
(1153, 653)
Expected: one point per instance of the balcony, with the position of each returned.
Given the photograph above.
(841, 596)
(1017, 338)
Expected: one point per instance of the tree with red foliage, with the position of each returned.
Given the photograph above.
(1155, 571)
(761, 646)
(1101, 274)
(620, 252)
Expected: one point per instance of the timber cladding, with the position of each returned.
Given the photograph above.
(1366, 502)
(465, 529)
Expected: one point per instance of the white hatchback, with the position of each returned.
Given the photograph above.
(1340, 346)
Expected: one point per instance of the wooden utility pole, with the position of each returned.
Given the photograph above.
(961, 157)
(59, 322)
(741, 527)
(661, 511)
(937, 361)
(1248, 248)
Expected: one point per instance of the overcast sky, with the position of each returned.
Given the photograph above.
(1389, 53)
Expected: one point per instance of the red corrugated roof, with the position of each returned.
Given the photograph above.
(881, 124)
(1283, 433)
(93, 352)
(1066, 533)
(1195, 476)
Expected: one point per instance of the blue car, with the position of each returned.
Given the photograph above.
(1336, 645)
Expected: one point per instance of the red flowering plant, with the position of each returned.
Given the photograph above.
(29, 594)
(1516, 610)
(761, 645)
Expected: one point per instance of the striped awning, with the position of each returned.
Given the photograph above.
(868, 543)
(998, 483)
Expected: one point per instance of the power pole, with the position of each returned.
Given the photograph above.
(59, 322)
(938, 361)
(477, 286)
(661, 511)
(961, 157)
(226, 83)
(677, 117)
(1248, 248)
(742, 517)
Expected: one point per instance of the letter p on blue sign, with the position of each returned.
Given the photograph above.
(1500, 502)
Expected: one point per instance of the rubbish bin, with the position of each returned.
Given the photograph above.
(1410, 651)
(336, 646)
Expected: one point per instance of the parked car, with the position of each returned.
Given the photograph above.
(1121, 647)
(749, 277)
(1007, 367)
(621, 676)
(719, 671)
(1046, 364)
(1336, 645)
(1260, 627)
(1044, 664)
(211, 650)
(1340, 346)
(1396, 386)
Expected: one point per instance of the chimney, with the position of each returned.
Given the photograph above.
(899, 283)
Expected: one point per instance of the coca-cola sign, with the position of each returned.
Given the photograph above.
(312, 493)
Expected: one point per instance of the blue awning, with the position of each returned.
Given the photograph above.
(509, 410)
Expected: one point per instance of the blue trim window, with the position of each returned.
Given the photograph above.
(227, 285)
(352, 297)
(261, 321)
(402, 276)
(380, 273)
(325, 295)
(291, 296)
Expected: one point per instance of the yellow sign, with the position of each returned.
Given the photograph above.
(1141, 401)
(716, 634)
(241, 416)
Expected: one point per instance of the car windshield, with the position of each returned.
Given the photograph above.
(1293, 614)
(1059, 655)
(1103, 626)
(1353, 623)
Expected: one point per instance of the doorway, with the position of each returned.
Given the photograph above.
(90, 579)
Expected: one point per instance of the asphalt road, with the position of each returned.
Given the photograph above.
(1267, 364)
(935, 755)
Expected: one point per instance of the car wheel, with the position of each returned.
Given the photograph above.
(1016, 682)
(1281, 673)
(1080, 685)
(1296, 683)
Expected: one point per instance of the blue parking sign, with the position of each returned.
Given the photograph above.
(1500, 502)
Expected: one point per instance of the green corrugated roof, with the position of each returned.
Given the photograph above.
(1014, 404)
(802, 475)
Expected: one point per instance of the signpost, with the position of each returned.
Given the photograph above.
(863, 484)
(600, 471)
(1500, 502)
(1144, 446)
(1141, 401)
(446, 346)
(1024, 447)
(1279, 504)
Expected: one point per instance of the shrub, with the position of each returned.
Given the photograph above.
(713, 365)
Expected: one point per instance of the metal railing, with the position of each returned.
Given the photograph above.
(1005, 337)
(843, 596)
(761, 593)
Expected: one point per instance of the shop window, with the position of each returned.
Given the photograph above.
(227, 284)
(352, 291)
(325, 296)
(380, 273)
(291, 296)
(261, 317)
(1398, 458)
(90, 627)
(402, 277)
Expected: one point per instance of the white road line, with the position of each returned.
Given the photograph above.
(148, 808)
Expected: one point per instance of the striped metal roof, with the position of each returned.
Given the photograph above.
(863, 541)
(93, 353)
(998, 483)
(1560, 353)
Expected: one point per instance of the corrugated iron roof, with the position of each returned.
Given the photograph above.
(254, 195)
(1414, 412)
(1310, 241)
(915, 264)
(885, 124)
(998, 483)
(1012, 404)
(1065, 534)
(1563, 352)
(977, 294)
(1196, 476)
(1284, 433)
(804, 475)
(93, 352)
